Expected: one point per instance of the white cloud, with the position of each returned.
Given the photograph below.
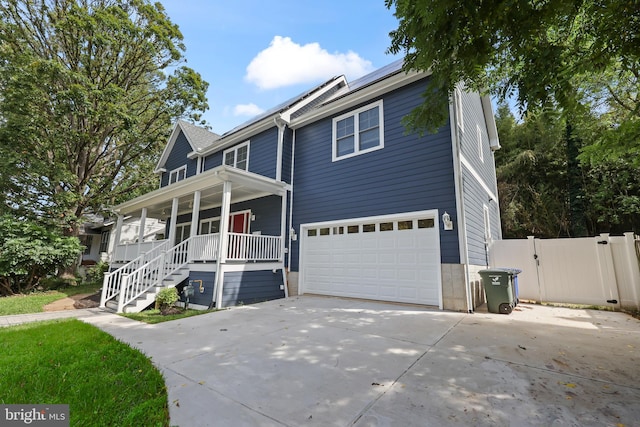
(247, 110)
(285, 63)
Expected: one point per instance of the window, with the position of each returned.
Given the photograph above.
(386, 226)
(368, 228)
(178, 174)
(312, 232)
(88, 242)
(324, 231)
(352, 229)
(358, 132)
(426, 223)
(104, 241)
(457, 94)
(182, 232)
(479, 138)
(487, 224)
(209, 226)
(405, 225)
(238, 156)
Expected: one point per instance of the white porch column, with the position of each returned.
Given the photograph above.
(195, 214)
(143, 221)
(173, 221)
(118, 236)
(224, 241)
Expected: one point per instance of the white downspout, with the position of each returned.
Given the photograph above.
(293, 151)
(281, 125)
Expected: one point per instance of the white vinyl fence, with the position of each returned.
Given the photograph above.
(602, 270)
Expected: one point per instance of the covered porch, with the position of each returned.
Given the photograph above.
(150, 263)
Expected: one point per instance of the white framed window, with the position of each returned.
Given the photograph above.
(178, 174)
(487, 223)
(104, 241)
(457, 95)
(183, 231)
(358, 132)
(209, 226)
(237, 157)
(479, 139)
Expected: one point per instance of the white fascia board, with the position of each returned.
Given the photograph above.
(287, 114)
(242, 135)
(360, 96)
(490, 120)
(167, 149)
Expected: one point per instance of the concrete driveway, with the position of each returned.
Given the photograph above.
(330, 361)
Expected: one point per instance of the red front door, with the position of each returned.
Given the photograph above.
(239, 222)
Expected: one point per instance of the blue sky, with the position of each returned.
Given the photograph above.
(256, 54)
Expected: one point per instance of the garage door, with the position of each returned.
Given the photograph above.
(388, 258)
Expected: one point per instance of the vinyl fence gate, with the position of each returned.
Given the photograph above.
(602, 270)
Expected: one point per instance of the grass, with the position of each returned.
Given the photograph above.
(154, 316)
(34, 303)
(104, 382)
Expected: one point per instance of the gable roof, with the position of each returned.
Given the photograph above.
(199, 139)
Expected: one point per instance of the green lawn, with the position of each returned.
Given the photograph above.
(104, 381)
(33, 303)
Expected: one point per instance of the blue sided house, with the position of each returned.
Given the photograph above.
(324, 194)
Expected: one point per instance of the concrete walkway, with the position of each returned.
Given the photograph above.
(18, 319)
(328, 361)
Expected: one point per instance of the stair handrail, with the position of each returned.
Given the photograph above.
(153, 273)
(112, 281)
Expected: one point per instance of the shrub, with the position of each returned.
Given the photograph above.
(95, 273)
(29, 252)
(166, 298)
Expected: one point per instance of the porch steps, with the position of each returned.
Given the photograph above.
(149, 297)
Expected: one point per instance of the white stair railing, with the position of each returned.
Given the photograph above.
(204, 247)
(152, 273)
(113, 280)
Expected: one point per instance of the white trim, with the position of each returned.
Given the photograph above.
(356, 131)
(487, 223)
(477, 177)
(457, 97)
(234, 150)
(352, 99)
(490, 122)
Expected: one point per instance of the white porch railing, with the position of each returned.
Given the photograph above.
(131, 251)
(112, 281)
(253, 247)
(204, 247)
(147, 270)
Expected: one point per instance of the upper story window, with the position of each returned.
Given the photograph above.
(479, 140)
(178, 174)
(238, 156)
(358, 132)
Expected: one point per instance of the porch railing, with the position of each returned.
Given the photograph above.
(253, 247)
(204, 247)
(113, 280)
(152, 268)
(131, 251)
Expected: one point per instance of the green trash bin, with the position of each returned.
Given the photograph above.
(498, 287)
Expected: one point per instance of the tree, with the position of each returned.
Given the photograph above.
(88, 92)
(544, 192)
(540, 52)
(29, 252)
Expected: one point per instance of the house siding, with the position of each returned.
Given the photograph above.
(475, 196)
(248, 287)
(208, 279)
(410, 173)
(287, 149)
(178, 158)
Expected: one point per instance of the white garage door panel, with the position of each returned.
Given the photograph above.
(394, 265)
